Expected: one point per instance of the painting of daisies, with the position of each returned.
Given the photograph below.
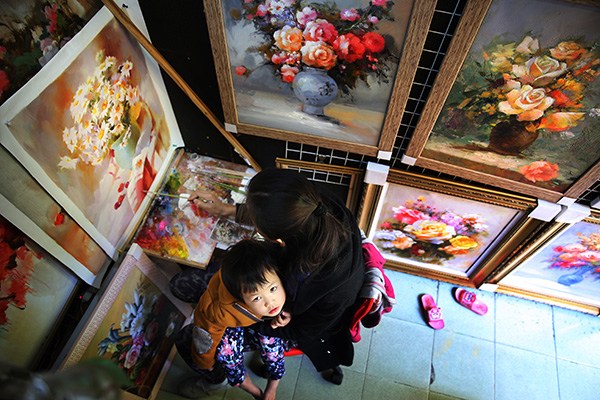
(96, 136)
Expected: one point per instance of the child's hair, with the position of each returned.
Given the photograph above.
(245, 264)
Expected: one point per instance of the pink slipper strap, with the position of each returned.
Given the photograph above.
(468, 298)
(435, 314)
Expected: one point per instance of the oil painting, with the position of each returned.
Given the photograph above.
(441, 229)
(34, 289)
(524, 110)
(175, 228)
(134, 324)
(23, 193)
(32, 32)
(566, 266)
(323, 72)
(97, 134)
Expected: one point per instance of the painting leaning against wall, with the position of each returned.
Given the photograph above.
(32, 32)
(524, 110)
(33, 287)
(98, 132)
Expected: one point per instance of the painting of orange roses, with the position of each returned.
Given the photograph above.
(441, 229)
(324, 72)
(524, 110)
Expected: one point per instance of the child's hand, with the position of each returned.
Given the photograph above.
(281, 320)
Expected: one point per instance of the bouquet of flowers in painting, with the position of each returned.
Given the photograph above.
(144, 331)
(340, 46)
(530, 101)
(420, 232)
(579, 259)
(16, 267)
(33, 33)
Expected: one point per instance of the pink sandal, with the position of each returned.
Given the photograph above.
(435, 319)
(469, 300)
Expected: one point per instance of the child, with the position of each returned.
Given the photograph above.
(246, 290)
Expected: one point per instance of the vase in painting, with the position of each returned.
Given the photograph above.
(315, 89)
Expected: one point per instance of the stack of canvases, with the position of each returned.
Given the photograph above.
(88, 132)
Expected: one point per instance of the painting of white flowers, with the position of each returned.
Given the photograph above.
(564, 265)
(524, 110)
(323, 72)
(94, 128)
(437, 228)
(133, 325)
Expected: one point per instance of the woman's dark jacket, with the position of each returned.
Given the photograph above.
(323, 303)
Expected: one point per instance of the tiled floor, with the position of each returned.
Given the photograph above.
(519, 350)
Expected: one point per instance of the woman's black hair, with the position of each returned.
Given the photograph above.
(245, 264)
(283, 204)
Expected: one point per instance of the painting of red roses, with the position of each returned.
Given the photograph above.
(524, 110)
(324, 72)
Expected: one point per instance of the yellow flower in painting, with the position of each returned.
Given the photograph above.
(431, 231)
(403, 242)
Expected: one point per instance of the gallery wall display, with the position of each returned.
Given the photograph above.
(26, 203)
(343, 181)
(444, 230)
(562, 267)
(34, 291)
(325, 73)
(32, 32)
(177, 229)
(95, 128)
(515, 104)
(133, 325)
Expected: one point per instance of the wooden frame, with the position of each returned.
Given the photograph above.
(418, 224)
(100, 182)
(341, 173)
(286, 120)
(550, 267)
(141, 284)
(464, 131)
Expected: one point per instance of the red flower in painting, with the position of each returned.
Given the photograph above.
(540, 171)
(374, 42)
(16, 266)
(4, 82)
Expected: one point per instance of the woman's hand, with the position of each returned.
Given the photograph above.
(209, 202)
(281, 320)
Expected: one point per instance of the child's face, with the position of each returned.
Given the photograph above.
(268, 299)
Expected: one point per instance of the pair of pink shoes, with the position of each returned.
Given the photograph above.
(467, 299)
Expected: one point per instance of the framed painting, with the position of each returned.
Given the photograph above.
(34, 291)
(345, 182)
(95, 128)
(176, 229)
(560, 267)
(515, 103)
(27, 205)
(324, 73)
(444, 230)
(133, 325)
(32, 32)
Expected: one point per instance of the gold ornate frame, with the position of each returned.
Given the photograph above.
(510, 239)
(549, 234)
(134, 259)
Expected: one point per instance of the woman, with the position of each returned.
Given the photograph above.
(322, 265)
